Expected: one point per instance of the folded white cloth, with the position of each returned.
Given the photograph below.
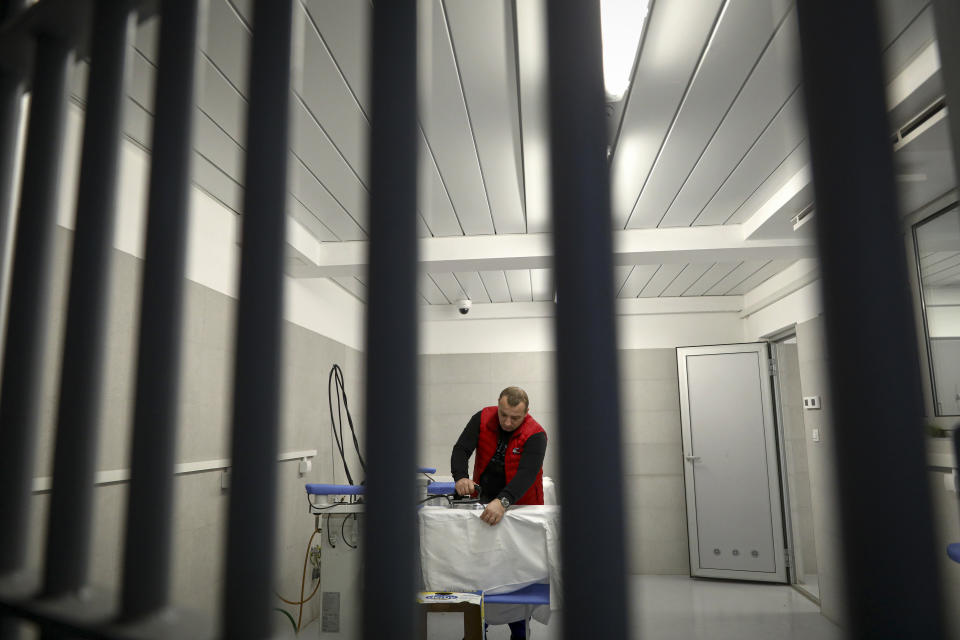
(460, 552)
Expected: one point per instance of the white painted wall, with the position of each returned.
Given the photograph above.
(800, 306)
(213, 251)
(512, 335)
(943, 322)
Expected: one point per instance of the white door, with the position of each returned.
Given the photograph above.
(731, 473)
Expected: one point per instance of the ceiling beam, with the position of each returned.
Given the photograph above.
(681, 245)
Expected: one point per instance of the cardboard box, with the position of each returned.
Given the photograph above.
(470, 604)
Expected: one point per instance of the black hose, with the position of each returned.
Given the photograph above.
(335, 381)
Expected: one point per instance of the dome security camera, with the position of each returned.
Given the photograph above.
(463, 306)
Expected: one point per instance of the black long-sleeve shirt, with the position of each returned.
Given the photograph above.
(493, 479)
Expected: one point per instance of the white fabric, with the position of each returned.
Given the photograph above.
(460, 552)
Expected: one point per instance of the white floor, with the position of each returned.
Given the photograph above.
(680, 608)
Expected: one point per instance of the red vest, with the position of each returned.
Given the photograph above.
(487, 446)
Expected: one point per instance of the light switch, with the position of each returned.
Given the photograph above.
(815, 435)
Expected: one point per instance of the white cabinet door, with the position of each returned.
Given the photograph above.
(731, 471)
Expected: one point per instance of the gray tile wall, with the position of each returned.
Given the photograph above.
(812, 359)
(454, 387)
(203, 434)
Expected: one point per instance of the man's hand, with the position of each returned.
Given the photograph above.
(493, 513)
(464, 487)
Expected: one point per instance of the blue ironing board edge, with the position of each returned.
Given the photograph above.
(440, 488)
(335, 489)
(532, 594)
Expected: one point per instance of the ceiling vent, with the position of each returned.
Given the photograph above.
(805, 215)
(918, 120)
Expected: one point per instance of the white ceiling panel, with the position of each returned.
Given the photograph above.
(793, 163)
(519, 282)
(713, 275)
(345, 28)
(676, 32)
(143, 78)
(329, 99)
(781, 139)
(354, 286)
(451, 287)
(220, 98)
(218, 184)
(495, 283)
(310, 222)
(432, 197)
(760, 276)
(446, 121)
(740, 37)
(487, 63)
(743, 271)
(219, 148)
(637, 280)
(687, 277)
(312, 145)
(532, 69)
(664, 276)
(472, 285)
(244, 9)
(228, 43)
(906, 26)
(770, 85)
(430, 291)
(138, 124)
(146, 38)
(305, 186)
(541, 283)
(620, 275)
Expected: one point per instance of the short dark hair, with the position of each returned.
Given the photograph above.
(514, 396)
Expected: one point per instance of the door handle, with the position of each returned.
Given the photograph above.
(692, 458)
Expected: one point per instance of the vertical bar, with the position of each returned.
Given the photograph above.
(252, 521)
(10, 8)
(947, 22)
(29, 296)
(11, 92)
(884, 503)
(71, 503)
(586, 334)
(146, 561)
(390, 537)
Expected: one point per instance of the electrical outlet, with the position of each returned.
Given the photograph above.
(811, 402)
(815, 435)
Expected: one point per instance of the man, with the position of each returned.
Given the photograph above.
(510, 447)
(508, 467)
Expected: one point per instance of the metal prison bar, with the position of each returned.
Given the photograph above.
(885, 506)
(876, 448)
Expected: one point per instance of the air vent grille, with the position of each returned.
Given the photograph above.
(934, 108)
